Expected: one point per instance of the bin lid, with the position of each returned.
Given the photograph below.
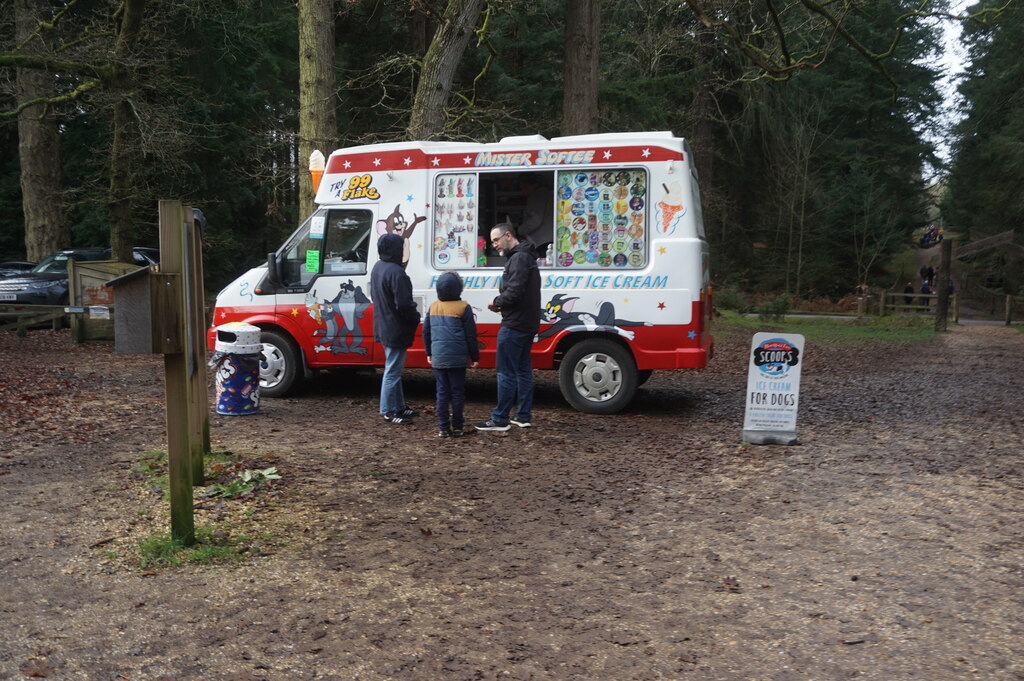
(238, 338)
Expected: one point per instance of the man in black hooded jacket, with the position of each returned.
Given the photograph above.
(395, 319)
(518, 300)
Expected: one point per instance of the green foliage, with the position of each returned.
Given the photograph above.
(808, 184)
(774, 309)
(821, 179)
(245, 483)
(731, 298)
(986, 192)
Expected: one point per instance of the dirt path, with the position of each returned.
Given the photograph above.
(650, 545)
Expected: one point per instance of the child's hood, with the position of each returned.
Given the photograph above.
(449, 286)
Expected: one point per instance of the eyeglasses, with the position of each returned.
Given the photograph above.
(495, 241)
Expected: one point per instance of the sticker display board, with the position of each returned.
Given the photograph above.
(773, 388)
(601, 219)
(455, 220)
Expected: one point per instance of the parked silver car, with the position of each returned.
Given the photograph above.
(47, 282)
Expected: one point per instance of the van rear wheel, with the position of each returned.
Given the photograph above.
(598, 377)
(279, 364)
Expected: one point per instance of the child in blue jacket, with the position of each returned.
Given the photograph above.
(449, 337)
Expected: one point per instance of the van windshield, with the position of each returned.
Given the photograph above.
(329, 242)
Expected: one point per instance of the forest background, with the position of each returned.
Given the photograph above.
(814, 126)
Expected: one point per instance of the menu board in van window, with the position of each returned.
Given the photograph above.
(601, 219)
(455, 220)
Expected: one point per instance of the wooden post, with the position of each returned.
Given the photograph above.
(956, 308)
(1009, 309)
(195, 343)
(176, 384)
(942, 304)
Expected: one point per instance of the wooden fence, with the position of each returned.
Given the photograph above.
(884, 303)
(19, 317)
(918, 303)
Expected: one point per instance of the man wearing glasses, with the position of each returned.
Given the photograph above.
(518, 301)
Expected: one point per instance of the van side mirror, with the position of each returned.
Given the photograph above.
(273, 273)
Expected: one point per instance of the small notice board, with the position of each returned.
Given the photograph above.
(773, 388)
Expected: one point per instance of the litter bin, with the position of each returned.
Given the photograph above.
(237, 376)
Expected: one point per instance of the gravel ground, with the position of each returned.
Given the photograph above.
(648, 545)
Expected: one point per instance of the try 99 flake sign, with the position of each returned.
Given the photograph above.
(773, 389)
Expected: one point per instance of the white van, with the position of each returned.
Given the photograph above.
(624, 273)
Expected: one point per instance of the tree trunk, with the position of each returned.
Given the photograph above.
(125, 147)
(46, 226)
(318, 125)
(426, 121)
(704, 109)
(582, 31)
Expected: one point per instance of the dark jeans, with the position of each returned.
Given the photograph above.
(515, 375)
(451, 391)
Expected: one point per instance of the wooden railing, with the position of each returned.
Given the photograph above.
(886, 302)
(19, 318)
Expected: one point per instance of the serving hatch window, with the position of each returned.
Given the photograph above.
(601, 219)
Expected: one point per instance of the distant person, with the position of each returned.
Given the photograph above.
(395, 318)
(518, 301)
(908, 294)
(537, 214)
(927, 290)
(449, 337)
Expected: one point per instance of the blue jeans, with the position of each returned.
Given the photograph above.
(451, 391)
(392, 399)
(515, 375)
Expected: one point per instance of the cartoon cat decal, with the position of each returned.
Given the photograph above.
(342, 315)
(396, 224)
(559, 313)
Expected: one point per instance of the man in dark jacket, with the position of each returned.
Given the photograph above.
(395, 319)
(518, 301)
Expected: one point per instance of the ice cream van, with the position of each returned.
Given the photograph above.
(624, 270)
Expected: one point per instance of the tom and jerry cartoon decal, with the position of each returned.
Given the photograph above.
(338, 320)
(559, 313)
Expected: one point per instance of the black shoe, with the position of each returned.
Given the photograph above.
(521, 424)
(444, 433)
(397, 420)
(408, 413)
(457, 432)
(490, 425)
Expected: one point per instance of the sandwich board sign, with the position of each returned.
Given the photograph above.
(773, 388)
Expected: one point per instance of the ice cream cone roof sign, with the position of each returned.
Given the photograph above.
(317, 163)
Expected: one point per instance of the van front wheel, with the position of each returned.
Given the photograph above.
(279, 365)
(598, 377)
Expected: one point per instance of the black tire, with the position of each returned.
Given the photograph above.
(643, 375)
(598, 376)
(279, 365)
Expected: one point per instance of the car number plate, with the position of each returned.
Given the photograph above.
(8, 296)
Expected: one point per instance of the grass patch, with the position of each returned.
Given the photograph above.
(152, 471)
(829, 332)
(212, 545)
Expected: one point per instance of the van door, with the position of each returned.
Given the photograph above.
(323, 269)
